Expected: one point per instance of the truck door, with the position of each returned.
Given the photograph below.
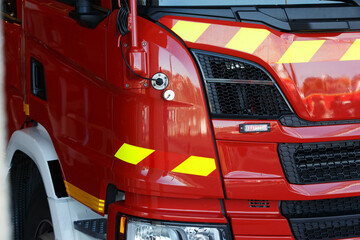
(67, 89)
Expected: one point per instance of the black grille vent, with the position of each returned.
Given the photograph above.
(308, 163)
(259, 204)
(320, 208)
(240, 89)
(323, 219)
(225, 68)
(295, 121)
(326, 228)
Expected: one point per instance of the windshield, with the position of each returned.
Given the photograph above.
(235, 2)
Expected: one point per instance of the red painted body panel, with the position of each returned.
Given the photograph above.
(78, 110)
(249, 160)
(256, 222)
(321, 89)
(175, 129)
(95, 105)
(13, 84)
(252, 169)
(261, 226)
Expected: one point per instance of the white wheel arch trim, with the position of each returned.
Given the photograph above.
(36, 143)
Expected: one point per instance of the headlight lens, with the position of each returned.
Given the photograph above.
(138, 229)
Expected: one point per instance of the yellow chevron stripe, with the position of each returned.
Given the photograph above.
(85, 198)
(353, 53)
(196, 166)
(189, 31)
(301, 51)
(247, 39)
(132, 154)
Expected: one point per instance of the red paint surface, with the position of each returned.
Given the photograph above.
(90, 113)
(322, 89)
(249, 160)
(175, 129)
(12, 79)
(261, 226)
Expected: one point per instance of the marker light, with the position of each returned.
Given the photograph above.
(252, 128)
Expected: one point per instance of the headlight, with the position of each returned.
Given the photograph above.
(140, 229)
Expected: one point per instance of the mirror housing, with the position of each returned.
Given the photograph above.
(86, 15)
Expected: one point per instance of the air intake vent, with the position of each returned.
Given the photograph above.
(237, 88)
(309, 163)
(323, 219)
(320, 208)
(259, 204)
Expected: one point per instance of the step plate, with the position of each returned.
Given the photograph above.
(92, 227)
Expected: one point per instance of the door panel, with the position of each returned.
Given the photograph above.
(77, 110)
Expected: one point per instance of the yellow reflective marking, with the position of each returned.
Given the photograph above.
(248, 39)
(301, 51)
(189, 31)
(85, 198)
(26, 109)
(353, 53)
(132, 154)
(196, 166)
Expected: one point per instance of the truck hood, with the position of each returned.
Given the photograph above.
(319, 73)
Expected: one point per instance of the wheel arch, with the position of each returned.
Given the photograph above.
(35, 142)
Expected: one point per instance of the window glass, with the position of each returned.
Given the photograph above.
(141, 2)
(9, 7)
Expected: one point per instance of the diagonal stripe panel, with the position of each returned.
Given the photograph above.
(190, 31)
(301, 51)
(247, 39)
(132, 154)
(353, 53)
(196, 166)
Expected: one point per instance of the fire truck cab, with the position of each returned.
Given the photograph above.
(183, 120)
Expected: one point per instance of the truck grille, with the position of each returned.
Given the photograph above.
(308, 163)
(237, 88)
(323, 219)
(320, 208)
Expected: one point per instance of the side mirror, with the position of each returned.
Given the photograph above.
(86, 15)
(83, 7)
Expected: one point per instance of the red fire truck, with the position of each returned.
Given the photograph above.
(183, 120)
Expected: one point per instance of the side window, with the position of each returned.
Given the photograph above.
(141, 2)
(9, 7)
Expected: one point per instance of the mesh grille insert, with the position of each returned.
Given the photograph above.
(326, 228)
(320, 208)
(239, 89)
(323, 219)
(309, 163)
